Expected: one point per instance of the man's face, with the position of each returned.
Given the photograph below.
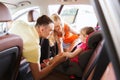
(47, 30)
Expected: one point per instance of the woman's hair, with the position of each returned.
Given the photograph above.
(55, 17)
(43, 20)
(87, 30)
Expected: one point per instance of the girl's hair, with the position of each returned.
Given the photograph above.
(87, 30)
(43, 20)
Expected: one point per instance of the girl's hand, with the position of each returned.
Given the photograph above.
(67, 54)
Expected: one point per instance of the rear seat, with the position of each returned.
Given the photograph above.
(103, 69)
(93, 61)
(93, 40)
(100, 64)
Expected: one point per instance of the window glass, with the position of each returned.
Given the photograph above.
(23, 17)
(53, 9)
(68, 14)
(23, 14)
(79, 15)
(1, 27)
(85, 17)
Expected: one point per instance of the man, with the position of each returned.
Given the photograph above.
(30, 35)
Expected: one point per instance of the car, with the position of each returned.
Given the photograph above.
(103, 15)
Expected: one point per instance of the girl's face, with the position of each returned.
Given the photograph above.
(83, 36)
(58, 26)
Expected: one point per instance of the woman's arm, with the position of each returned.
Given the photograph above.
(71, 29)
(59, 43)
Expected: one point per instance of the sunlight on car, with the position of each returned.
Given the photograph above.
(76, 15)
(22, 14)
(53, 9)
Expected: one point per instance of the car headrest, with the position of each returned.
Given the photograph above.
(4, 13)
(94, 38)
(33, 15)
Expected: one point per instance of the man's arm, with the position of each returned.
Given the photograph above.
(39, 74)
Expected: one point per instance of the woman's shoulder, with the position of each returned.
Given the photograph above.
(66, 26)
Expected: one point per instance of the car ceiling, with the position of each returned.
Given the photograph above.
(16, 5)
(19, 3)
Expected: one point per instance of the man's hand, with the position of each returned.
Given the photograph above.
(58, 59)
(55, 60)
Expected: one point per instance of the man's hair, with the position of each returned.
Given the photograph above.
(43, 20)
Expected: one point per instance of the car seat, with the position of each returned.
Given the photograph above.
(93, 41)
(10, 49)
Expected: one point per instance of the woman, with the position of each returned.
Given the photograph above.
(63, 30)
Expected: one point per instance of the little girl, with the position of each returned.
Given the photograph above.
(83, 46)
(74, 68)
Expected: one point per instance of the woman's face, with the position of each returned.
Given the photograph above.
(58, 26)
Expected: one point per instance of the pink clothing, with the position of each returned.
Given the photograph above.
(84, 47)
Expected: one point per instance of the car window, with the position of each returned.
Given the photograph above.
(1, 28)
(79, 15)
(53, 9)
(23, 14)
(85, 17)
(68, 14)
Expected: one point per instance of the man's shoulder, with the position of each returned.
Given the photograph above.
(20, 27)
